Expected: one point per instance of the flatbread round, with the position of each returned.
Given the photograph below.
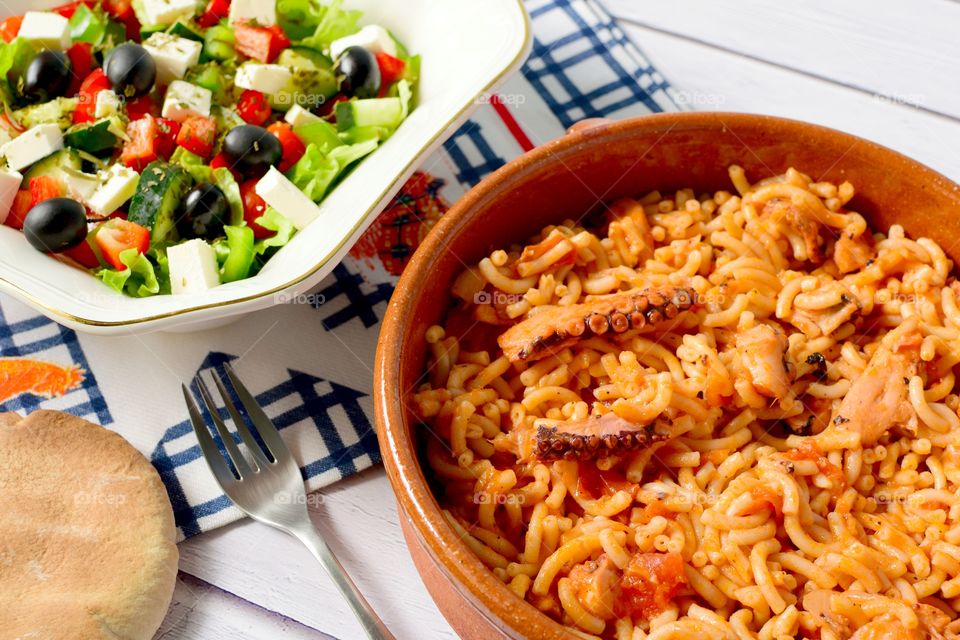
(87, 538)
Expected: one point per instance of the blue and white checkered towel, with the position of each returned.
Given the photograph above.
(311, 364)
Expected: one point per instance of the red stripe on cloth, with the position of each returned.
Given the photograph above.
(511, 123)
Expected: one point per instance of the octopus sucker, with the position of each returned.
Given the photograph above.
(595, 437)
(555, 327)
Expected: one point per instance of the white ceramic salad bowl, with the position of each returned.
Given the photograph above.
(467, 47)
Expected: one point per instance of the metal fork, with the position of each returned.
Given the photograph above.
(269, 491)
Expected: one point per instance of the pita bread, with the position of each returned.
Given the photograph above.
(87, 538)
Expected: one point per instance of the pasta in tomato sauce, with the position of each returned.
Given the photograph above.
(729, 415)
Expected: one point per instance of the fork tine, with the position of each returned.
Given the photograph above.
(218, 466)
(268, 433)
(239, 462)
(241, 425)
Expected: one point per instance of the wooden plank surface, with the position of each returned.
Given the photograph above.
(202, 610)
(707, 78)
(358, 517)
(905, 51)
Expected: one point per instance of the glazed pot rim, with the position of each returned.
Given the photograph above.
(416, 500)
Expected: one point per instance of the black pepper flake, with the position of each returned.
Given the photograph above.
(840, 420)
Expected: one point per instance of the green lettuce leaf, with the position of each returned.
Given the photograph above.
(138, 280)
(347, 154)
(14, 58)
(405, 93)
(322, 134)
(314, 172)
(315, 24)
(275, 221)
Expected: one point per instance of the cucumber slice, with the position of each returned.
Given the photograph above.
(92, 138)
(55, 164)
(148, 30)
(184, 29)
(311, 84)
(58, 111)
(161, 188)
(373, 112)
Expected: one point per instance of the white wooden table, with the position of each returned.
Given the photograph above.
(886, 70)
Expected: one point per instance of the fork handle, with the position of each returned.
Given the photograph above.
(372, 624)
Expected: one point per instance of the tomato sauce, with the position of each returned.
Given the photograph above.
(809, 451)
(649, 583)
(596, 483)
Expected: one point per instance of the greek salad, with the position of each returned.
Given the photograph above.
(170, 146)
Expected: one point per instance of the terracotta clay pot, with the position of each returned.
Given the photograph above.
(598, 162)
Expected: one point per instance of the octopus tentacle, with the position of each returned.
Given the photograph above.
(595, 437)
(555, 327)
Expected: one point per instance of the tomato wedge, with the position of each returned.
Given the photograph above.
(141, 149)
(81, 64)
(167, 131)
(216, 10)
(10, 27)
(22, 203)
(253, 208)
(391, 70)
(253, 107)
(197, 135)
(142, 106)
(261, 43)
(43, 188)
(292, 146)
(95, 82)
(83, 254)
(221, 160)
(117, 235)
(67, 10)
(122, 11)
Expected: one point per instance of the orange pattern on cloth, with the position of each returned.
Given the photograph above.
(399, 230)
(21, 375)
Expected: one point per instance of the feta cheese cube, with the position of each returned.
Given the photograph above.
(265, 78)
(372, 37)
(47, 29)
(173, 55)
(184, 100)
(9, 185)
(80, 186)
(106, 105)
(32, 145)
(117, 185)
(263, 12)
(285, 197)
(193, 267)
(163, 12)
(297, 116)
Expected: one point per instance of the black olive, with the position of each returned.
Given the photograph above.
(252, 149)
(131, 69)
(358, 73)
(56, 225)
(205, 210)
(47, 76)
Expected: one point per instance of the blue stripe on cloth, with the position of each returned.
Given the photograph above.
(172, 462)
(468, 141)
(566, 89)
(358, 305)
